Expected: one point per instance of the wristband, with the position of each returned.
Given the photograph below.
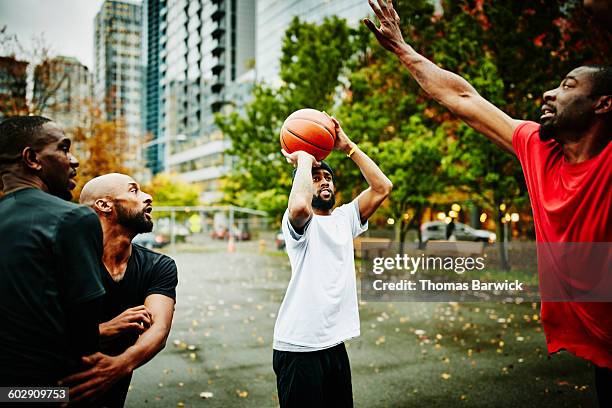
(352, 151)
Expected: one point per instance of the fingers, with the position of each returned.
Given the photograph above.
(284, 152)
(141, 316)
(371, 26)
(395, 15)
(86, 390)
(92, 359)
(77, 378)
(137, 327)
(376, 8)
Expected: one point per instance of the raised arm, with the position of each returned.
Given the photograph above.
(379, 185)
(447, 88)
(300, 198)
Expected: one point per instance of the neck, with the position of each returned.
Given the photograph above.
(590, 144)
(12, 181)
(322, 212)
(117, 248)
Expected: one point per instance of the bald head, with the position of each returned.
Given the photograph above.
(119, 202)
(108, 186)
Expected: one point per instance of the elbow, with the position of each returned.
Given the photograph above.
(300, 210)
(385, 189)
(388, 188)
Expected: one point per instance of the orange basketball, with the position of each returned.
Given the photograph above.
(309, 130)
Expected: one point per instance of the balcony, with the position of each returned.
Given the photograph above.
(219, 30)
(217, 66)
(217, 102)
(218, 12)
(218, 49)
(217, 84)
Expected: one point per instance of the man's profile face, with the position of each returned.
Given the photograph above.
(568, 107)
(58, 164)
(324, 197)
(133, 207)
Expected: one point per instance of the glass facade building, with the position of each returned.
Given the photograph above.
(118, 67)
(274, 16)
(151, 35)
(206, 57)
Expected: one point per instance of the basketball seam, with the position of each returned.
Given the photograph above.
(316, 121)
(306, 141)
(284, 144)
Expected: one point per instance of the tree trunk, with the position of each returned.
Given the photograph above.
(503, 260)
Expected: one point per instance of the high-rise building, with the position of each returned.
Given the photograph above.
(206, 60)
(118, 66)
(13, 81)
(274, 17)
(63, 90)
(154, 153)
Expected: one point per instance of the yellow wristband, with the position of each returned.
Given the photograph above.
(352, 151)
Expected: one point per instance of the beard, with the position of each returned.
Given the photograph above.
(324, 205)
(568, 124)
(548, 131)
(135, 221)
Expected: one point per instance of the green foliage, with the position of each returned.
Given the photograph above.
(313, 59)
(510, 51)
(169, 190)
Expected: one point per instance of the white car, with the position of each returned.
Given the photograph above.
(436, 230)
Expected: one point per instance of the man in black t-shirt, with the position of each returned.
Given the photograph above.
(50, 251)
(140, 291)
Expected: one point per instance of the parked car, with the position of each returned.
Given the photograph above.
(437, 230)
(151, 240)
(279, 240)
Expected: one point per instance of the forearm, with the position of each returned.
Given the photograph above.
(373, 175)
(302, 190)
(147, 346)
(442, 85)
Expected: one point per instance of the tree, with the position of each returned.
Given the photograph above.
(313, 59)
(100, 146)
(491, 44)
(168, 190)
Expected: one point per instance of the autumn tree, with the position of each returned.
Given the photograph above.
(101, 147)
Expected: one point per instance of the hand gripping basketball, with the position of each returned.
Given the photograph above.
(309, 130)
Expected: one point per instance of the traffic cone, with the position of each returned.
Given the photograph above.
(231, 245)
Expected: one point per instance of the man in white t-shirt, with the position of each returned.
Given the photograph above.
(319, 311)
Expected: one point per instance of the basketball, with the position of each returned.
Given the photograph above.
(309, 130)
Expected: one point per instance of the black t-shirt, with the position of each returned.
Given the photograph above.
(50, 252)
(147, 273)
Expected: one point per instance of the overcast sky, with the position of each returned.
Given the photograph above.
(67, 25)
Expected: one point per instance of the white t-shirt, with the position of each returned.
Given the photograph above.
(320, 306)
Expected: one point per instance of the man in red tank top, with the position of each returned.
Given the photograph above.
(567, 162)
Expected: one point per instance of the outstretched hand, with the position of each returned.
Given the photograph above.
(389, 34)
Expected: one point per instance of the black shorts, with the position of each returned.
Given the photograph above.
(313, 379)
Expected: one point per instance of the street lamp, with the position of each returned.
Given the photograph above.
(165, 141)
